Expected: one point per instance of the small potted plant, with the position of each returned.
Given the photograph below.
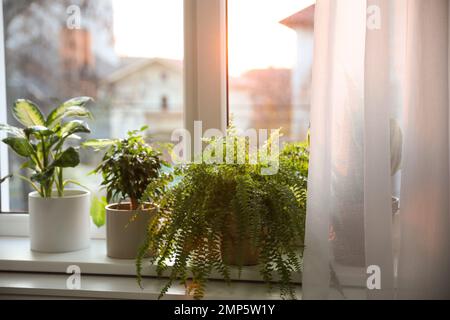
(133, 177)
(230, 214)
(59, 217)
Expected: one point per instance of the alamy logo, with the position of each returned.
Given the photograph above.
(73, 282)
(374, 279)
(250, 146)
(373, 17)
(73, 17)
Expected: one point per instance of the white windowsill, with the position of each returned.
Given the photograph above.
(24, 272)
(42, 285)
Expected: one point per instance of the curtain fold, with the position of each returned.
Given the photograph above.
(378, 101)
(424, 260)
(379, 63)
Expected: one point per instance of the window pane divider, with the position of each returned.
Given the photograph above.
(205, 64)
(4, 167)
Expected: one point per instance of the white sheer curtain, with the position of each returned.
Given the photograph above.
(379, 62)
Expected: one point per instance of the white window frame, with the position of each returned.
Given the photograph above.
(4, 199)
(205, 88)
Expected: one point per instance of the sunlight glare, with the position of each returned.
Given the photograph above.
(154, 28)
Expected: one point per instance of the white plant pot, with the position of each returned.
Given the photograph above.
(59, 224)
(126, 230)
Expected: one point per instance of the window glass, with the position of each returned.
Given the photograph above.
(124, 54)
(270, 49)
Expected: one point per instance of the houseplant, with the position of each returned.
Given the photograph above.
(59, 217)
(133, 177)
(230, 214)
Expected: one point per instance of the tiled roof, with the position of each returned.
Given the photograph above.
(302, 19)
(133, 65)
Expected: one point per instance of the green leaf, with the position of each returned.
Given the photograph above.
(74, 126)
(12, 130)
(74, 137)
(5, 178)
(70, 181)
(28, 113)
(27, 164)
(34, 186)
(41, 130)
(71, 108)
(98, 211)
(69, 158)
(50, 142)
(44, 176)
(21, 146)
(77, 111)
(98, 144)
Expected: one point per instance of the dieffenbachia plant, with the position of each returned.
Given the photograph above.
(42, 142)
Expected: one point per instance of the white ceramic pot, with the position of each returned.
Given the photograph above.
(126, 230)
(59, 224)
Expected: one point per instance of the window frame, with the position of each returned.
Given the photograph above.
(4, 187)
(205, 89)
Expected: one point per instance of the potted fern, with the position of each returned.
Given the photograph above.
(220, 215)
(133, 177)
(59, 217)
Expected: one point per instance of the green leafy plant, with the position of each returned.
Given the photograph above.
(131, 169)
(219, 208)
(42, 141)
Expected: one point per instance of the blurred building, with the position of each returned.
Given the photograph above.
(278, 98)
(302, 23)
(145, 92)
(240, 101)
(261, 99)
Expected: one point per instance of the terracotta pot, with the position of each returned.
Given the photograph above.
(244, 253)
(126, 229)
(236, 251)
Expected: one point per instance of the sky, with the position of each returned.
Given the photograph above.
(256, 39)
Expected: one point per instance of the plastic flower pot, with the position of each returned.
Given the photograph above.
(126, 229)
(59, 224)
